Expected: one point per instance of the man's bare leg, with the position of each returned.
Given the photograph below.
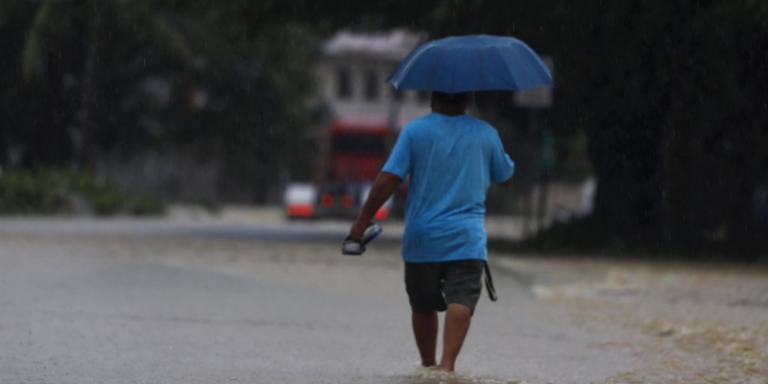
(457, 319)
(425, 331)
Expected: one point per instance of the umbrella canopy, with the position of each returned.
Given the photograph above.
(471, 63)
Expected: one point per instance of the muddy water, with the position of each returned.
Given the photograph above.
(680, 323)
(185, 310)
(687, 323)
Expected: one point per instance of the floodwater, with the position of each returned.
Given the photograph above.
(180, 309)
(687, 323)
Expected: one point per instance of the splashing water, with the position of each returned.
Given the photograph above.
(432, 375)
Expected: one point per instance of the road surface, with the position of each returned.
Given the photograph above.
(126, 301)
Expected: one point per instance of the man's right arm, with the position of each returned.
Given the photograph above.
(383, 187)
(506, 183)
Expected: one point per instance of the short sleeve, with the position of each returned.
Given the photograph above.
(502, 167)
(399, 162)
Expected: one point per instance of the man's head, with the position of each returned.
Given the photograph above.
(450, 103)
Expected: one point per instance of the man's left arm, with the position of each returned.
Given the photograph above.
(502, 167)
(383, 187)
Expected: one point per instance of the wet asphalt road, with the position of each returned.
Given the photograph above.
(134, 302)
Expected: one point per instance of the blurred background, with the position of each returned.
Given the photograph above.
(176, 178)
(655, 138)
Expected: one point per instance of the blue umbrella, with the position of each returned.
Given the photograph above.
(471, 63)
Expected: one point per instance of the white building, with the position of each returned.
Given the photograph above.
(353, 73)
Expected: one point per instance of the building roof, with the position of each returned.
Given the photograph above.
(394, 44)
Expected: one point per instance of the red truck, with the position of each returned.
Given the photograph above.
(351, 153)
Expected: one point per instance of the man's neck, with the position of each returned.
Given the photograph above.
(448, 111)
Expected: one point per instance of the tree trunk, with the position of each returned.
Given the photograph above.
(92, 107)
(626, 159)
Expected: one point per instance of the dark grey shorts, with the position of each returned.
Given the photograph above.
(432, 286)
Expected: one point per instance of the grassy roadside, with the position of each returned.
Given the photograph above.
(588, 237)
(55, 192)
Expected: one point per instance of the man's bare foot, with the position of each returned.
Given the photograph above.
(445, 369)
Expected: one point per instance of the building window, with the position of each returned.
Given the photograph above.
(397, 95)
(371, 85)
(343, 83)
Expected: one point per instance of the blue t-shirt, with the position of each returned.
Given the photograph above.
(451, 161)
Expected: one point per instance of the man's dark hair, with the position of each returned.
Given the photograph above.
(452, 99)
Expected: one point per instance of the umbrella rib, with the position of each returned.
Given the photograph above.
(453, 77)
(434, 70)
(536, 58)
(472, 63)
(479, 53)
(413, 60)
(511, 69)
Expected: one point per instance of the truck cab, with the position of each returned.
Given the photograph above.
(353, 151)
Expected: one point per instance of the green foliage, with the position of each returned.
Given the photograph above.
(667, 95)
(573, 162)
(56, 192)
(251, 61)
(584, 235)
(143, 205)
(26, 193)
(591, 236)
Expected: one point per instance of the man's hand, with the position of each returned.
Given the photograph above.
(383, 187)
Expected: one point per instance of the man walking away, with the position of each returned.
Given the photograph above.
(451, 159)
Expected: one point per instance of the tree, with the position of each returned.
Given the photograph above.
(92, 63)
(673, 115)
(253, 70)
(669, 93)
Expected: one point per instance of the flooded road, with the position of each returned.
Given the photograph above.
(687, 323)
(136, 308)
